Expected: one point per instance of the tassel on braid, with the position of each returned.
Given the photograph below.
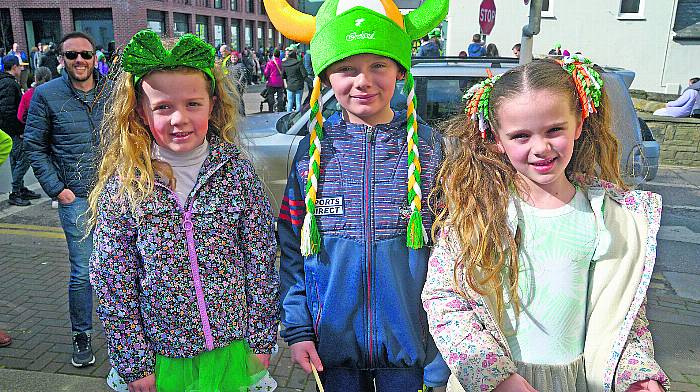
(310, 237)
(416, 235)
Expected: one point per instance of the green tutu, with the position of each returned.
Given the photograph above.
(227, 369)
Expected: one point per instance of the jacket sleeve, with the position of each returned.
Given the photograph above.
(296, 317)
(24, 107)
(473, 354)
(682, 100)
(267, 70)
(260, 247)
(37, 138)
(303, 71)
(637, 360)
(5, 146)
(114, 276)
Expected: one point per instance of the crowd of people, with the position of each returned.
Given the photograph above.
(526, 269)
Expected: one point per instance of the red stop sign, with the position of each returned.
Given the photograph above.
(487, 16)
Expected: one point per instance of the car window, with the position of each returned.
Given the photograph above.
(440, 98)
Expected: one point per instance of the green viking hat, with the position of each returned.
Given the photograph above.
(344, 28)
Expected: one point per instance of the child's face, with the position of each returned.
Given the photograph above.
(537, 130)
(176, 107)
(364, 85)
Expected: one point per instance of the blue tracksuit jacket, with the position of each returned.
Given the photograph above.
(359, 298)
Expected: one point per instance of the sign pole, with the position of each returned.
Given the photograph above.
(530, 30)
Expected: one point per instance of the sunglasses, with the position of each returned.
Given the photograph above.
(71, 55)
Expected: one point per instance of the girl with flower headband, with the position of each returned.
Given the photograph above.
(538, 279)
(352, 224)
(184, 254)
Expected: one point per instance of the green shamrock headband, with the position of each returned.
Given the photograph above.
(145, 53)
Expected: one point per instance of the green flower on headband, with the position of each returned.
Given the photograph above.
(145, 53)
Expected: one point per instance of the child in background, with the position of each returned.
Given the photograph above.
(538, 279)
(184, 241)
(351, 226)
(41, 76)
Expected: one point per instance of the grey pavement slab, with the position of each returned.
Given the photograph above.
(685, 285)
(28, 381)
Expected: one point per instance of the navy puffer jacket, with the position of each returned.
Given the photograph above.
(62, 135)
(10, 95)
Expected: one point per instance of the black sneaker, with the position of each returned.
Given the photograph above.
(17, 200)
(82, 350)
(29, 195)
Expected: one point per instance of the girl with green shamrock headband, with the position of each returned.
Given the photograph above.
(353, 223)
(183, 264)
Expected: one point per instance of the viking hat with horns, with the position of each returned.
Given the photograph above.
(343, 28)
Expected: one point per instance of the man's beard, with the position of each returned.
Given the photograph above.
(72, 74)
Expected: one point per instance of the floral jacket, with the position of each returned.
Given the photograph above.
(618, 349)
(176, 279)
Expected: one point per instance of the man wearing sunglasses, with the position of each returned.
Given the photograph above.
(62, 140)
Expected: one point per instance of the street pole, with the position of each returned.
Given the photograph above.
(530, 30)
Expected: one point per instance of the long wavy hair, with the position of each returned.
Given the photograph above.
(126, 142)
(475, 182)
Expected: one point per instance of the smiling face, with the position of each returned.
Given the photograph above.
(364, 85)
(176, 105)
(80, 69)
(537, 130)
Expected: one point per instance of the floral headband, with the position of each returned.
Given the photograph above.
(588, 82)
(145, 53)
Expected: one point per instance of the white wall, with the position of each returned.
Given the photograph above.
(592, 27)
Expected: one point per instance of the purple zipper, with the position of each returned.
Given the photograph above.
(194, 268)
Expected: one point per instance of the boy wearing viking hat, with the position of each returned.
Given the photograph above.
(353, 224)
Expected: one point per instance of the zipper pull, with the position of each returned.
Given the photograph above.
(187, 224)
(371, 134)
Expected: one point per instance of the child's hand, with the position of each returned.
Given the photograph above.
(514, 383)
(646, 386)
(304, 353)
(264, 359)
(146, 384)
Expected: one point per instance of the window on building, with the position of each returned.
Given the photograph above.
(262, 8)
(96, 22)
(218, 4)
(40, 24)
(156, 21)
(182, 24)
(631, 9)
(218, 31)
(235, 34)
(250, 6)
(547, 11)
(201, 27)
(270, 36)
(234, 5)
(260, 36)
(248, 34)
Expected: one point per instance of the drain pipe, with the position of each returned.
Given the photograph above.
(530, 30)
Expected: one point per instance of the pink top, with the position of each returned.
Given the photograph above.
(24, 105)
(272, 73)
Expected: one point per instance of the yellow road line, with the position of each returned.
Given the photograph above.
(30, 227)
(41, 234)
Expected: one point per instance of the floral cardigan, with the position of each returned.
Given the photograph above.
(618, 350)
(177, 279)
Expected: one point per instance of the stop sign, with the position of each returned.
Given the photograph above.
(487, 16)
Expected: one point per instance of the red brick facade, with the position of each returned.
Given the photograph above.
(129, 16)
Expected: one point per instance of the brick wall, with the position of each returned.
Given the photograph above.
(129, 16)
(679, 139)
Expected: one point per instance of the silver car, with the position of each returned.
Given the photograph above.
(272, 139)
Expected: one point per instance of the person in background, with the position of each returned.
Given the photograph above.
(428, 48)
(683, 106)
(23, 63)
(695, 85)
(308, 66)
(491, 50)
(49, 59)
(476, 48)
(556, 51)
(516, 50)
(294, 74)
(10, 97)
(41, 76)
(275, 83)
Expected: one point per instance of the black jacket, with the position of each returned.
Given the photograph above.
(10, 95)
(62, 135)
(295, 73)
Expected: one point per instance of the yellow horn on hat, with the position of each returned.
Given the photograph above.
(424, 18)
(293, 24)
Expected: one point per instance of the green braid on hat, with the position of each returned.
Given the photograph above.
(341, 29)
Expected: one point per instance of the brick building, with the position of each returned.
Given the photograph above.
(239, 23)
